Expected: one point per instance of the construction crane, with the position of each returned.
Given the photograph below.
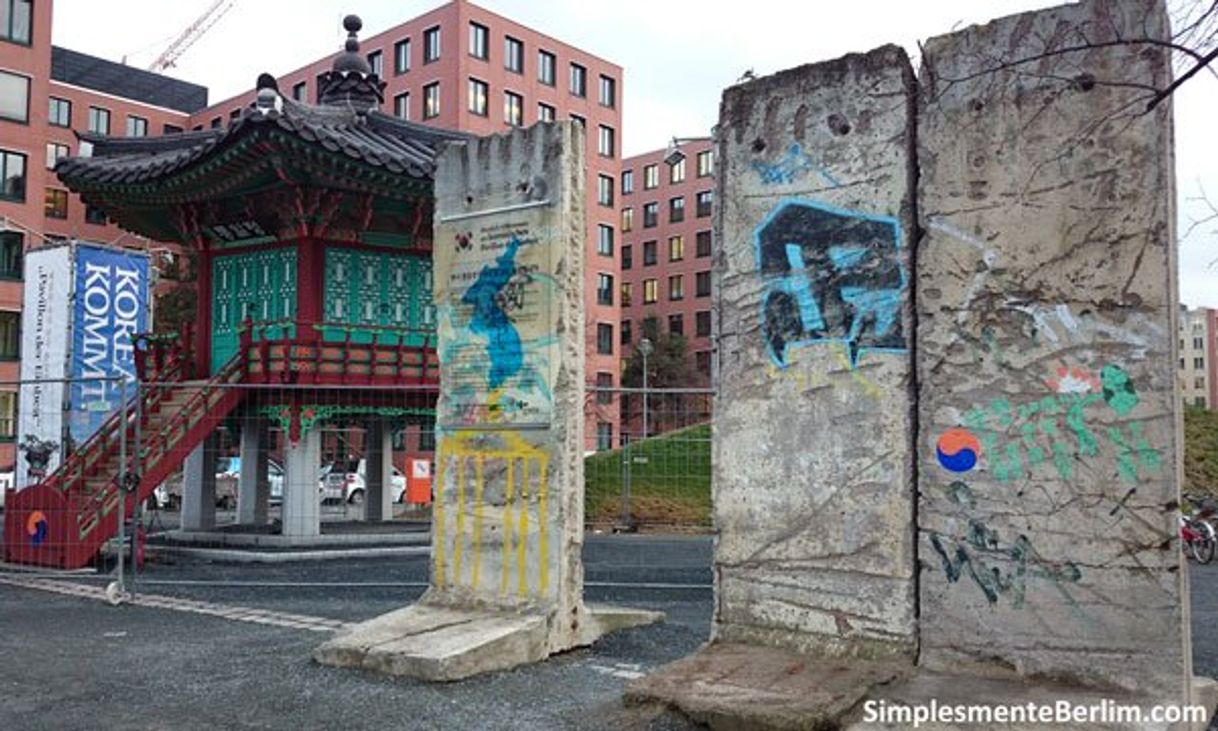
(193, 32)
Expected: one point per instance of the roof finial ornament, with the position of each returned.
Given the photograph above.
(350, 82)
(352, 24)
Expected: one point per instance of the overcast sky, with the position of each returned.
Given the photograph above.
(678, 55)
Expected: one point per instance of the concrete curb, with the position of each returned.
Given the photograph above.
(203, 539)
(229, 555)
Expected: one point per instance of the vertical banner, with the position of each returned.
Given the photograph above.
(44, 363)
(109, 307)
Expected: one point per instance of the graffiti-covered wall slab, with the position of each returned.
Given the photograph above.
(813, 484)
(508, 518)
(1048, 445)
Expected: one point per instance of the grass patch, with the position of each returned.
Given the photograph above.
(670, 477)
(1200, 450)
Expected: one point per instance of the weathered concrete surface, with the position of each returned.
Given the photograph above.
(508, 521)
(732, 687)
(1048, 414)
(813, 468)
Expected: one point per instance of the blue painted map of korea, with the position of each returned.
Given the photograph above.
(832, 275)
(504, 348)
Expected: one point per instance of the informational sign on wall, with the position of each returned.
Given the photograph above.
(46, 308)
(110, 306)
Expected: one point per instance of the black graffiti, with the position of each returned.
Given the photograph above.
(833, 276)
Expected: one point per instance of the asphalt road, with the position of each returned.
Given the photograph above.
(69, 663)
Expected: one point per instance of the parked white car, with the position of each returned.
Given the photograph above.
(342, 483)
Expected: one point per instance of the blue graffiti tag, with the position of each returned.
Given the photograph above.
(489, 318)
(790, 167)
(833, 275)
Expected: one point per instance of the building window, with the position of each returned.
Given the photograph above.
(513, 55)
(12, 168)
(55, 153)
(676, 209)
(545, 113)
(676, 324)
(170, 129)
(216, 122)
(579, 80)
(651, 291)
(431, 100)
(10, 335)
(99, 120)
(704, 202)
(95, 216)
(706, 164)
(513, 109)
(376, 62)
(12, 249)
(604, 385)
(703, 239)
(608, 91)
(627, 182)
(676, 172)
(649, 253)
(604, 339)
(137, 126)
(676, 248)
(604, 435)
(605, 145)
(702, 362)
(626, 332)
(627, 294)
(478, 91)
(1199, 382)
(15, 19)
(627, 219)
(627, 257)
(604, 190)
(300, 91)
(546, 66)
(702, 323)
(702, 284)
(1198, 363)
(401, 105)
(479, 41)
(604, 240)
(56, 205)
(401, 56)
(651, 177)
(676, 288)
(14, 96)
(604, 289)
(651, 214)
(431, 44)
(583, 123)
(60, 113)
(1198, 343)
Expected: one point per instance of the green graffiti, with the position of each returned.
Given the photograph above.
(960, 494)
(981, 554)
(1118, 389)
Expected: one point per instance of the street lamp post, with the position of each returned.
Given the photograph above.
(626, 524)
(645, 348)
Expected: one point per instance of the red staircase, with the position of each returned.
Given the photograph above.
(63, 521)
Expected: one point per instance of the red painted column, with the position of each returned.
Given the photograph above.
(203, 324)
(309, 266)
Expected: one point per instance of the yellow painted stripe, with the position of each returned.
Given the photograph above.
(505, 565)
(543, 531)
(522, 585)
(477, 522)
(438, 519)
(459, 533)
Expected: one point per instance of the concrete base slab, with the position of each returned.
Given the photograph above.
(443, 644)
(735, 687)
(944, 690)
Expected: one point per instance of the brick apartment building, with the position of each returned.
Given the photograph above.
(458, 66)
(47, 94)
(1199, 356)
(465, 68)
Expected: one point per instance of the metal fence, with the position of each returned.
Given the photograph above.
(648, 458)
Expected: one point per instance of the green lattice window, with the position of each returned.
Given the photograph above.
(373, 294)
(259, 285)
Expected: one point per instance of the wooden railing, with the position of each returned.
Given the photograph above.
(308, 353)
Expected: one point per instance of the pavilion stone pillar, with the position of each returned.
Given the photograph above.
(1050, 426)
(506, 570)
(812, 470)
(301, 503)
(378, 471)
(253, 489)
(199, 487)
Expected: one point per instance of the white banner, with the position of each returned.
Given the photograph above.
(44, 357)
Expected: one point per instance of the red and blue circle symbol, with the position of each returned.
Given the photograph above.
(36, 527)
(958, 450)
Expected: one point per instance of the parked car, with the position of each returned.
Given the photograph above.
(345, 481)
(228, 470)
